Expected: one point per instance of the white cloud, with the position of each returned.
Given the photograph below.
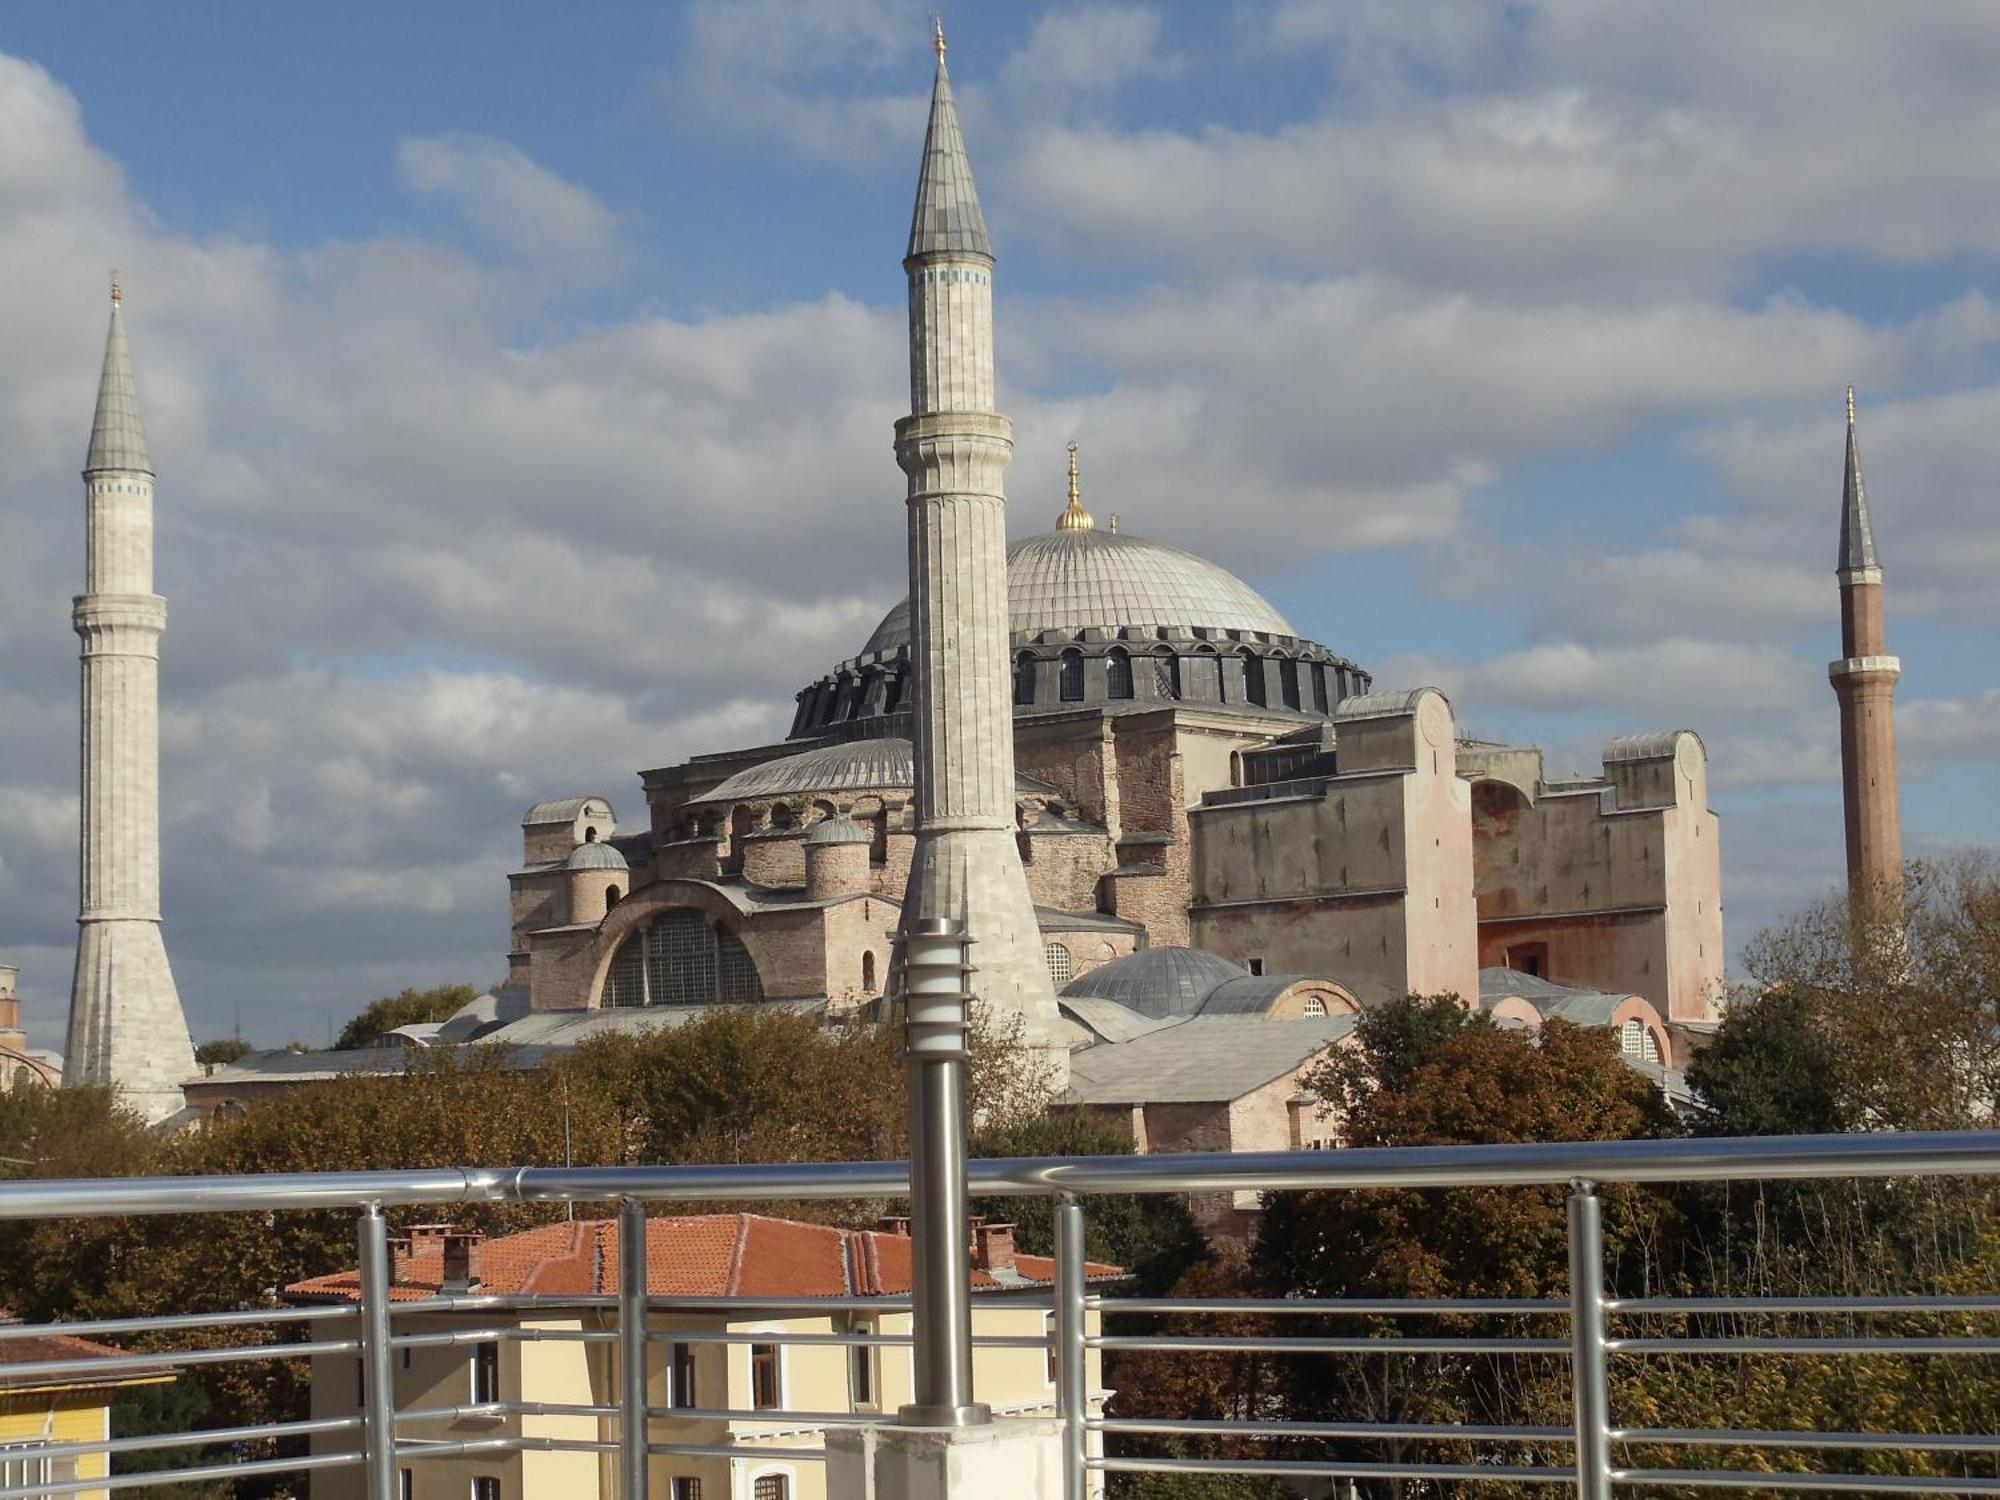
(522, 205)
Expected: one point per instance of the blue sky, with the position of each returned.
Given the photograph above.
(520, 378)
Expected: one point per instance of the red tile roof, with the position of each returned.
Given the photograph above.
(34, 1348)
(710, 1255)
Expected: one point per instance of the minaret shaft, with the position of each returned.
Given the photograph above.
(125, 1025)
(1864, 682)
(954, 449)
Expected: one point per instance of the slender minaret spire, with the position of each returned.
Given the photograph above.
(1074, 516)
(1864, 680)
(125, 1023)
(954, 447)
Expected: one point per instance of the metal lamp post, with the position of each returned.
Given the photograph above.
(935, 974)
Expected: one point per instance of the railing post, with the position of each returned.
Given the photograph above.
(1072, 1364)
(378, 1412)
(1589, 1375)
(633, 1426)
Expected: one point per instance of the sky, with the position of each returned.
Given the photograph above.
(521, 378)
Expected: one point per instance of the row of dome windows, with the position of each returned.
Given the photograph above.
(1200, 678)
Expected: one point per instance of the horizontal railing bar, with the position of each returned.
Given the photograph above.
(531, 1301)
(504, 1334)
(1803, 1304)
(457, 1447)
(835, 1340)
(1805, 1346)
(1281, 1345)
(1550, 1163)
(195, 1474)
(1984, 1442)
(1335, 1469)
(498, 1409)
(781, 1418)
(95, 1327)
(726, 1450)
(1329, 1306)
(164, 1363)
(192, 1439)
(1744, 1479)
(1411, 1431)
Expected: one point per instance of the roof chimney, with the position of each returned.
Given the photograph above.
(461, 1261)
(898, 1224)
(993, 1247)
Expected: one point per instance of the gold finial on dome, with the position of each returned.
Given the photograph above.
(1075, 518)
(937, 24)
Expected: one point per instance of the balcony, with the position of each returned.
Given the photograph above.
(674, 1393)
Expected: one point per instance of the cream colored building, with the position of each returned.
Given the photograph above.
(498, 1388)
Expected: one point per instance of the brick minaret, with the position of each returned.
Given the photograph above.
(954, 448)
(1864, 680)
(125, 1023)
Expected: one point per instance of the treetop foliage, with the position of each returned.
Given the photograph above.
(410, 1008)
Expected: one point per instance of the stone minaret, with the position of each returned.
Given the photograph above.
(125, 1023)
(1864, 680)
(954, 447)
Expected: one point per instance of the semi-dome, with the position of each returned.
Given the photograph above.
(1157, 982)
(879, 763)
(596, 855)
(1072, 580)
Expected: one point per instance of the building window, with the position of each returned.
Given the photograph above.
(406, 1484)
(771, 1487)
(681, 960)
(686, 1489)
(868, 973)
(1118, 675)
(361, 1382)
(485, 1374)
(1319, 688)
(1062, 968)
(485, 1487)
(625, 985)
(681, 1391)
(611, 896)
(736, 981)
(1257, 966)
(1052, 1359)
(1628, 1038)
(1167, 672)
(24, 1464)
(1649, 1046)
(1205, 679)
(1529, 958)
(1253, 680)
(861, 1368)
(1024, 679)
(765, 1392)
(1069, 682)
(1315, 1006)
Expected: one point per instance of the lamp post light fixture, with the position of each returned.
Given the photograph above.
(936, 971)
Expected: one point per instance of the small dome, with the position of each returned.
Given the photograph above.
(596, 855)
(837, 830)
(1157, 982)
(1075, 580)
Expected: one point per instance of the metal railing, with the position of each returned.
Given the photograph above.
(388, 1441)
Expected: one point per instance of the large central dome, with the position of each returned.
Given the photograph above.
(1078, 580)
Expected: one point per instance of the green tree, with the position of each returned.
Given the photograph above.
(410, 1008)
(1770, 1070)
(222, 1050)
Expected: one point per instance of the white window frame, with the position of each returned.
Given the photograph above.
(867, 1357)
(785, 1472)
(784, 1370)
(473, 1483)
(472, 1374)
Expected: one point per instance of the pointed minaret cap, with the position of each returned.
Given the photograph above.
(947, 220)
(1075, 518)
(1858, 562)
(117, 441)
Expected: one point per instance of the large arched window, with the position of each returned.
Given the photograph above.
(1253, 679)
(680, 959)
(1167, 672)
(1070, 681)
(1117, 673)
(1024, 679)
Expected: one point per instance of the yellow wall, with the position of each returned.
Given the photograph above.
(72, 1416)
(813, 1379)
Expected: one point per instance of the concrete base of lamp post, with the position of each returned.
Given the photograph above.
(1004, 1460)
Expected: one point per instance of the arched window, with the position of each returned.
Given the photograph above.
(771, 1487)
(1253, 679)
(1024, 679)
(1070, 680)
(868, 973)
(1314, 1006)
(625, 985)
(1288, 681)
(1061, 966)
(1118, 674)
(1649, 1046)
(611, 895)
(736, 981)
(590, 835)
(680, 960)
(1167, 670)
(1629, 1037)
